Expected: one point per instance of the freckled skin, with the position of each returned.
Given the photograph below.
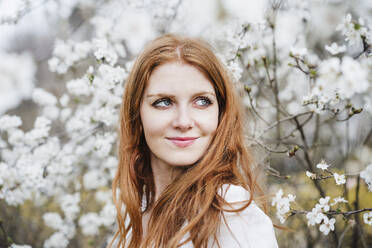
(174, 105)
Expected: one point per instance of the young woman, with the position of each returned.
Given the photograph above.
(185, 177)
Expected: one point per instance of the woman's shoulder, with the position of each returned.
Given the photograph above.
(233, 193)
(250, 227)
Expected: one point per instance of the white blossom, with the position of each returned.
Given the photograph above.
(282, 204)
(338, 200)
(79, 122)
(53, 220)
(90, 223)
(16, 137)
(51, 112)
(57, 240)
(324, 203)
(103, 144)
(94, 179)
(335, 49)
(366, 174)
(235, 69)
(43, 98)
(103, 25)
(104, 50)
(103, 196)
(40, 131)
(108, 214)
(338, 80)
(8, 122)
(328, 225)
(299, 51)
(339, 179)
(311, 218)
(17, 72)
(367, 217)
(70, 206)
(352, 30)
(368, 103)
(310, 175)
(106, 115)
(64, 100)
(108, 77)
(42, 122)
(316, 216)
(322, 165)
(67, 53)
(354, 78)
(65, 114)
(79, 87)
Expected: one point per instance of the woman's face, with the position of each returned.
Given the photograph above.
(179, 114)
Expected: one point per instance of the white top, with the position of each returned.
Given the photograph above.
(249, 228)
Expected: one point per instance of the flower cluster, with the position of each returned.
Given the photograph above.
(67, 53)
(282, 204)
(339, 178)
(353, 30)
(338, 80)
(17, 79)
(317, 216)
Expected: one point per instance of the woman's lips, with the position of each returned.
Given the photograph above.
(183, 141)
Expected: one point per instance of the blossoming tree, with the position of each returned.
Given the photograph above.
(303, 68)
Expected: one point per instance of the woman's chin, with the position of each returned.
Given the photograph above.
(182, 162)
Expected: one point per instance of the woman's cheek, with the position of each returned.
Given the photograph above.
(155, 122)
(208, 121)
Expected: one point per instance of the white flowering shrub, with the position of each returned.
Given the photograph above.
(303, 68)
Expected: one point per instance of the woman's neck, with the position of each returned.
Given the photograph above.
(163, 174)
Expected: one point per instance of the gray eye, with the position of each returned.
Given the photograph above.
(203, 101)
(164, 102)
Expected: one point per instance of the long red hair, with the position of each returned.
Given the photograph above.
(191, 203)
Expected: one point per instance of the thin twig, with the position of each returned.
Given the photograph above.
(358, 229)
(22, 13)
(369, 135)
(366, 47)
(271, 171)
(266, 147)
(5, 235)
(254, 109)
(343, 235)
(285, 119)
(333, 212)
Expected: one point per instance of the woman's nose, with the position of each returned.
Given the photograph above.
(183, 119)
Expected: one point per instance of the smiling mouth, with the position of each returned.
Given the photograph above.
(183, 141)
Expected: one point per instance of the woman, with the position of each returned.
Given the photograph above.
(184, 174)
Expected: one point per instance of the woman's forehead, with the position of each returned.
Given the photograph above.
(177, 76)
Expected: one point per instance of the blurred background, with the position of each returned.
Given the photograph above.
(67, 61)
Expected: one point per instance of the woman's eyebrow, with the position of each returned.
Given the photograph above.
(170, 95)
(160, 95)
